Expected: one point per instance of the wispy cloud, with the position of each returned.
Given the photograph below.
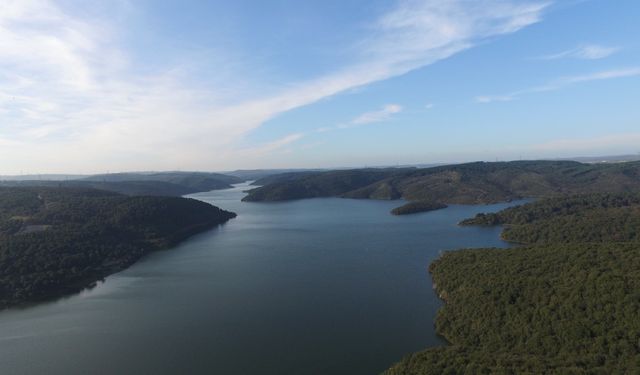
(270, 147)
(584, 52)
(495, 98)
(72, 98)
(383, 114)
(561, 83)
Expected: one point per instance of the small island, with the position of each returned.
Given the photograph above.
(417, 207)
(57, 241)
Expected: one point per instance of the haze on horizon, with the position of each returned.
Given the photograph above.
(127, 85)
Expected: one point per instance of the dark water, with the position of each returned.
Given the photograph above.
(320, 286)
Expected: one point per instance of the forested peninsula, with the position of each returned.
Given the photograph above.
(56, 241)
(566, 303)
(470, 183)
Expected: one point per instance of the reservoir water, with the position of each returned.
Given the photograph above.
(317, 286)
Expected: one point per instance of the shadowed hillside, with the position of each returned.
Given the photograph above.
(55, 241)
(471, 183)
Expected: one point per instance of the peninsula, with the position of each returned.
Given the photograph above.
(57, 241)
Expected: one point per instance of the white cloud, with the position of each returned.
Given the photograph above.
(561, 83)
(71, 99)
(584, 52)
(494, 98)
(383, 114)
(598, 76)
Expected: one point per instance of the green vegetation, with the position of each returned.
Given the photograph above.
(55, 241)
(471, 183)
(419, 206)
(560, 309)
(157, 184)
(581, 218)
(302, 185)
(566, 304)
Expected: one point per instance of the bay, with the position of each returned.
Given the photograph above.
(316, 286)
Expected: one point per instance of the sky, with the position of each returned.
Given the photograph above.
(124, 85)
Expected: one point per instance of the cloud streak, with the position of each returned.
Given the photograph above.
(560, 84)
(584, 52)
(383, 114)
(72, 99)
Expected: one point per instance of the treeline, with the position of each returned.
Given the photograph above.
(566, 304)
(54, 241)
(581, 218)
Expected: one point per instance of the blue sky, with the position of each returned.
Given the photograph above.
(219, 85)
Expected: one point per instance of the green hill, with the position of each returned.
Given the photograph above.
(471, 183)
(301, 185)
(55, 241)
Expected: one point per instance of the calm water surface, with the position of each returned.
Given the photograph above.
(318, 286)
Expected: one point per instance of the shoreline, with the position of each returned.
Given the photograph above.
(90, 282)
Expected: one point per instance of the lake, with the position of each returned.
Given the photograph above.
(317, 286)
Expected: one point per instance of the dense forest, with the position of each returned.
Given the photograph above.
(55, 241)
(289, 186)
(600, 217)
(471, 183)
(567, 303)
(158, 184)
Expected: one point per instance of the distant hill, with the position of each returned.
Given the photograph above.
(257, 174)
(199, 181)
(156, 183)
(41, 177)
(55, 241)
(606, 159)
(470, 183)
(301, 185)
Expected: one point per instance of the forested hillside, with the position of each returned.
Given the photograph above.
(557, 309)
(470, 183)
(54, 241)
(581, 218)
(566, 304)
(301, 185)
